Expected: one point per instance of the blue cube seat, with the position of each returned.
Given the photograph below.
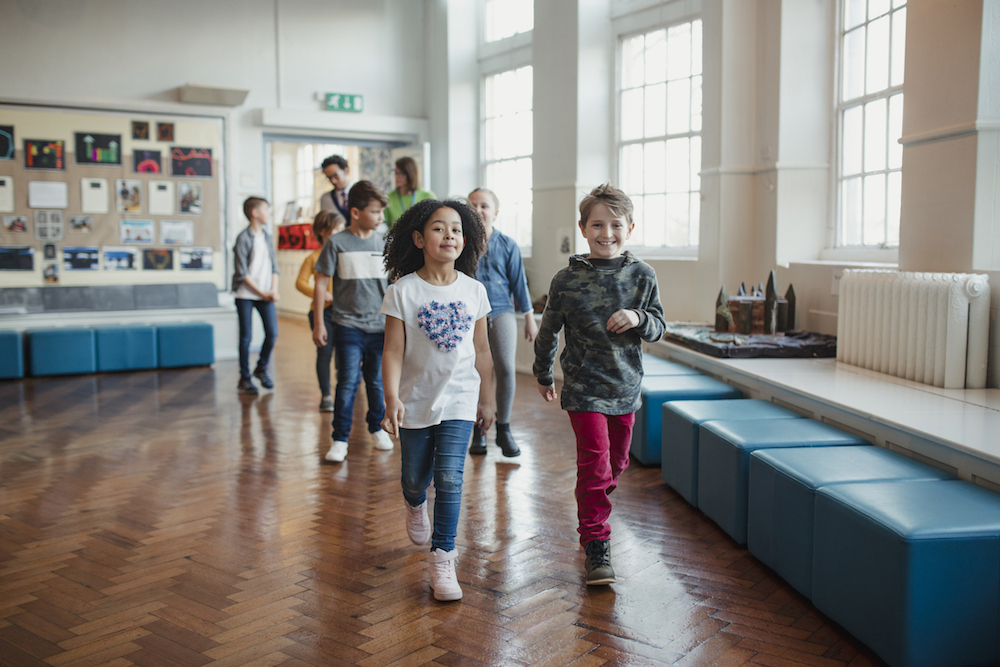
(186, 344)
(11, 355)
(782, 494)
(61, 351)
(911, 569)
(654, 365)
(658, 389)
(125, 348)
(679, 450)
(724, 461)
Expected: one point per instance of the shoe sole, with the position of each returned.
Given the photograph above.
(447, 597)
(603, 581)
(333, 459)
(475, 451)
(326, 409)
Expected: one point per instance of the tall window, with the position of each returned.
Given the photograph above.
(505, 18)
(659, 141)
(507, 146)
(870, 106)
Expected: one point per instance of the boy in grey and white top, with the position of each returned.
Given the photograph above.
(352, 259)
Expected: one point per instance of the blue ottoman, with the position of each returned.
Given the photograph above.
(911, 569)
(125, 348)
(724, 460)
(657, 390)
(61, 351)
(654, 365)
(11, 355)
(187, 344)
(782, 495)
(680, 435)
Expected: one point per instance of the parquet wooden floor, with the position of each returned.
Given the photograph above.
(159, 519)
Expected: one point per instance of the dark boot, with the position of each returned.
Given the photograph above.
(478, 444)
(598, 564)
(506, 441)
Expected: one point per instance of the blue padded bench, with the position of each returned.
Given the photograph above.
(11, 355)
(187, 344)
(61, 351)
(782, 495)
(654, 365)
(679, 450)
(125, 348)
(911, 569)
(657, 390)
(724, 461)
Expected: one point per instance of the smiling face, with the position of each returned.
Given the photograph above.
(485, 207)
(605, 232)
(442, 240)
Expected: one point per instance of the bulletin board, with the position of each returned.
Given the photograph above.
(109, 198)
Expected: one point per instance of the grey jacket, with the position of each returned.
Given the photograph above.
(241, 255)
(602, 370)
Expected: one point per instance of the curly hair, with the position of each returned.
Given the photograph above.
(402, 257)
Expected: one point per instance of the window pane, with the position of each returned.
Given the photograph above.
(898, 47)
(520, 140)
(852, 142)
(878, 55)
(695, 221)
(489, 139)
(631, 169)
(854, 14)
(639, 217)
(678, 219)
(876, 8)
(656, 55)
(678, 56)
(894, 196)
(678, 106)
(696, 104)
(523, 89)
(851, 211)
(895, 131)
(632, 62)
(875, 135)
(854, 64)
(695, 164)
(874, 225)
(631, 114)
(654, 168)
(505, 18)
(653, 234)
(656, 110)
(678, 165)
(696, 47)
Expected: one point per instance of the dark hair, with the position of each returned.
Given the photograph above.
(409, 167)
(615, 199)
(362, 193)
(403, 257)
(334, 159)
(327, 221)
(251, 203)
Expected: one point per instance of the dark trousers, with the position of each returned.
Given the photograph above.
(269, 316)
(324, 354)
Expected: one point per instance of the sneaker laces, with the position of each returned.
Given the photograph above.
(599, 556)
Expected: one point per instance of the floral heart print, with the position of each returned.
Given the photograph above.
(444, 323)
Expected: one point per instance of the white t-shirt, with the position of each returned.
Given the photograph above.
(259, 269)
(439, 380)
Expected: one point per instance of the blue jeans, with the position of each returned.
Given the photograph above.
(269, 316)
(324, 354)
(436, 452)
(357, 353)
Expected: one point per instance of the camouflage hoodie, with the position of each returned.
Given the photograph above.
(601, 370)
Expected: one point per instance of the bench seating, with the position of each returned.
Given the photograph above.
(125, 348)
(11, 355)
(69, 351)
(654, 365)
(186, 344)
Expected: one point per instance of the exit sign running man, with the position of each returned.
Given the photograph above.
(344, 102)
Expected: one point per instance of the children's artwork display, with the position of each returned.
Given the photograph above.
(196, 259)
(44, 154)
(94, 148)
(157, 259)
(118, 258)
(17, 258)
(161, 197)
(17, 224)
(81, 223)
(140, 130)
(48, 194)
(6, 142)
(164, 131)
(189, 198)
(190, 162)
(146, 162)
(50, 274)
(128, 195)
(83, 258)
(176, 232)
(94, 195)
(49, 251)
(6, 194)
(138, 232)
(48, 226)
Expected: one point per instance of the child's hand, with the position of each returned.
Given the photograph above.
(530, 327)
(319, 333)
(393, 416)
(548, 392)
(327, 297)
(485, 414)
(623, 320)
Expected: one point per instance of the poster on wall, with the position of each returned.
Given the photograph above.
(94, 148)
(177, 232)
(48, 226)
(17, 258)
(6, 194)
(6, 142)
(146, 162)
(81, 258)
(81, 224)
(50, 274)
(189, 198)
(48, 194)
(15, 223)
(138, 232)
(128, 195)
(157, 259)
(140, 130)
(164, 131)
(45, 154)
(196, 259)
(161, 197)
(94, 195)
(191, 162)
(120, 258)
(49, 251)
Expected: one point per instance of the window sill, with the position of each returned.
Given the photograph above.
(860, 255)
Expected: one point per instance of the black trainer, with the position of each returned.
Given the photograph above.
(598, 564)
(478, 444)
(265, 379)
(246, 386)
(506, 441)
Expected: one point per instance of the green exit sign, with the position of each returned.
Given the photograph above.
(344, 102)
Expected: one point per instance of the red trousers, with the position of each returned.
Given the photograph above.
(602, 447)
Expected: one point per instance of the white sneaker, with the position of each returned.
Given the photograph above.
(444, 583)
(418, 526)
(383, 441)
(338, 451)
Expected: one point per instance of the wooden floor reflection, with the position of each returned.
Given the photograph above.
(158, 518)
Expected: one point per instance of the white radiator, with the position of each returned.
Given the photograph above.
(927, 327)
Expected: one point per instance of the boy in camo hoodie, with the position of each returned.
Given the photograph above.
(608, 303)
